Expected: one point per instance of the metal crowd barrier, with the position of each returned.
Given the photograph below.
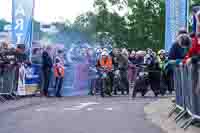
(8, 82)
(192, 95)
(187, 87)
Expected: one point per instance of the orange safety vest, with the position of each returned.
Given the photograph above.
(59, 71)
(106, 62)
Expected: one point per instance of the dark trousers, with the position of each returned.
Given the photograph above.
(58, 85)
(169, 80)
(111, 78)
(92, 86)
(47, 77)
(124, 81)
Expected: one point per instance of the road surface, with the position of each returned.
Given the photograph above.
(79, 115)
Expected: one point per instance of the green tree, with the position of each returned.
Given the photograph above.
(146, 23)
(109, 21)
(2, 24)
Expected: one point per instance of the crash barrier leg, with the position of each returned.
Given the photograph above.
(172, 110)
(185, 124)
(2, 99)
(180, 115)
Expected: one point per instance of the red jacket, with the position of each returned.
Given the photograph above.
(194, 50)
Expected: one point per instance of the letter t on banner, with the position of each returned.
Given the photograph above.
(22, 22)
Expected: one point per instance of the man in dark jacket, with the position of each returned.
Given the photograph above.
(176, 54)
(180, 46)
(47, 65)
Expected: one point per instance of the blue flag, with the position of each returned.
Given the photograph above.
(176, 18)
(22, 17)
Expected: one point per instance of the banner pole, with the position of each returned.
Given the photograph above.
(188, 14)
(32, 31)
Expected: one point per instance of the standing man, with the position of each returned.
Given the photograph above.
(47, 65)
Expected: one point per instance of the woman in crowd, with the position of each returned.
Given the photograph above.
(59, 72)
(132, 67)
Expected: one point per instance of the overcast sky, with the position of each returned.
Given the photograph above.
(51, 10)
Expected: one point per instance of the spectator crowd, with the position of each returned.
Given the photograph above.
(107, 65)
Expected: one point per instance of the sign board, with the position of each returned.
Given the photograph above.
(29, 80)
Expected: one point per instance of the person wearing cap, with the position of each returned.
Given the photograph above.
(59, 73)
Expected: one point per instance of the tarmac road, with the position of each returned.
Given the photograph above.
(78, 115)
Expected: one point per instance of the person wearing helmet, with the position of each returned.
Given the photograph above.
(105, 63)
(149, 51)
(161, 58)
(139, 57)
(149, 57)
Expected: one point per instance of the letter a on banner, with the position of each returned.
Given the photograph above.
(22, 17)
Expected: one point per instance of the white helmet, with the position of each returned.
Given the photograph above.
(104, 53)
(141, 53)
(162, 51)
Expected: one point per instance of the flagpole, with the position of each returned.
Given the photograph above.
(187, 13)
(32, 31)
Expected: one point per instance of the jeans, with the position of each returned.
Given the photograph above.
(58, 85)
(124, 80)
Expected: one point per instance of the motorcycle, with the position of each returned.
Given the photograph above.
(141, 83)
(104, 82)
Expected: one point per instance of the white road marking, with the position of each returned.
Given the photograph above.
(109, 109)
(84, 105)
(42, 109)
(71, 109)
(90, 109)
